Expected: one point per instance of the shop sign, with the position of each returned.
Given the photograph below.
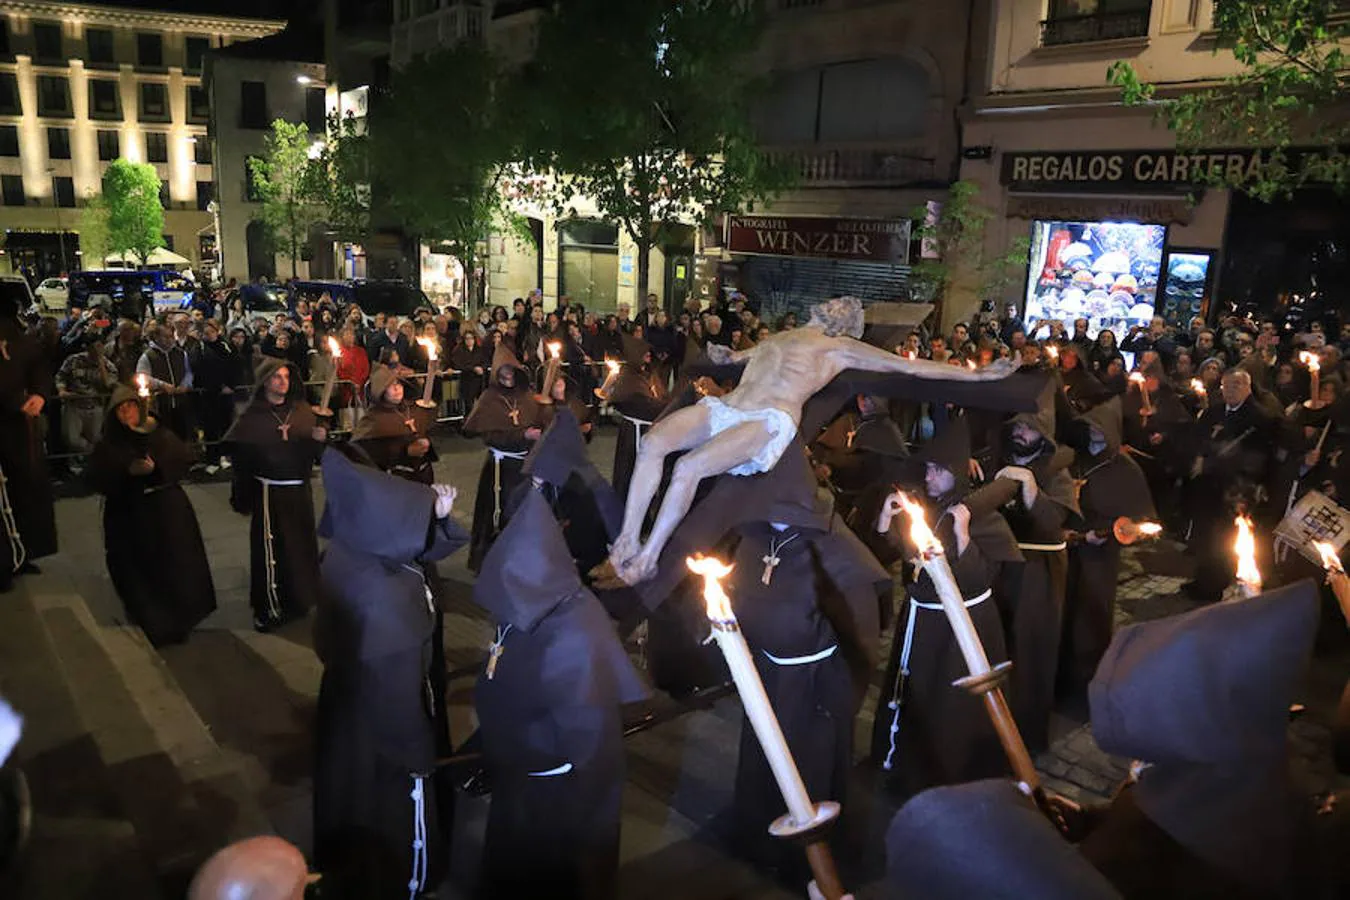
(873, 240)
(1157, 170)
(1155, 210)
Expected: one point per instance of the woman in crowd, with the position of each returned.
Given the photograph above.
(470, 361)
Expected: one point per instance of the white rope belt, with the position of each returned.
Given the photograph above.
(1044, 548)
(270, 482)
(16, 547)
(801, 660)
(497, 457)
(419, 844)
(269, 551)
(903, 673)
(637, 430)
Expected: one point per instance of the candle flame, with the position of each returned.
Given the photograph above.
(554, 348)
(1310, 359)
(1198, 386)
(1149, 529)
(613, 365)
(1244, 545)
(334, 347)
(143, 385)
(712, 570)
(919, 532)
(1052, 351)
(1331, 561)
(970, 364)
(428, 345)
(910, 354)
(1137, 378)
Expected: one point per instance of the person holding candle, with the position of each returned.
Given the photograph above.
(394, 433)
(807, 594)
(152, 542)
(275, 443)
(1110, 485)
(380, 811)
(564, 393)
(928, 732)
(507, 418)
(639, 399)
(855, 449)
(1158, 441)
(548, 704)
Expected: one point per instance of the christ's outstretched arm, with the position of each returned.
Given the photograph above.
(859, 355)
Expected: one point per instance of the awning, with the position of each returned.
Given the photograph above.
(160, 257)
(1144, 208)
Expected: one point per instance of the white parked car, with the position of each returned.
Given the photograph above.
(54, 293)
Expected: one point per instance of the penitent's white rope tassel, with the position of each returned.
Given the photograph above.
(419, 844)
(901, 676)
(17, 549)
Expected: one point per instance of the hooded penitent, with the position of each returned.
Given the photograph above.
(548, 704)
(375, 806)
(926, 732)
(387, 431)
(1204, 697)
(26, 492)
(984, 840)
(153, 544)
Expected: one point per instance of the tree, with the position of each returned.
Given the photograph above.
(643, 106)
(956, 262)
(135, 218)
(343, 178)
(289, 182)
(1291, 74)
(441, 144)
(93, 230)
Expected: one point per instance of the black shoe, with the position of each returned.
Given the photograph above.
(267, 625)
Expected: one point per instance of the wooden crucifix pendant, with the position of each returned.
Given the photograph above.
(771, 562)
(494, 654)
(515, 416)
(285, 429)
(412, 425)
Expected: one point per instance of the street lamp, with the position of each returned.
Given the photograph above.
(303, 79)
(60, 229)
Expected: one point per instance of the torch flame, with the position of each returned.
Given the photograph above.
(428, 345)
(1330, 560)
(554, 348)
(1244, 545)
(1198, 386)
(1052, 351)
(712, 570)
(1310, 359)
(1137, 378)
(614, 366)
(919, 532)
(334, 348)
(970, 364)
(1149, 529)
(143, 385)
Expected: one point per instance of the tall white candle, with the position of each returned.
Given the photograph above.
(430, 347)
(1244, 545)
(334, 354)
(726, 630)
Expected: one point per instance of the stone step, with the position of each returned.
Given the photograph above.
(179, 790)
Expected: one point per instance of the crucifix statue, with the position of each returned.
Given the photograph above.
(745, 431)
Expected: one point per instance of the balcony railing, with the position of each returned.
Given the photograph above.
(1096, 27)
(876, 166)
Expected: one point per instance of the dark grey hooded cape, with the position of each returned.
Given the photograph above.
(550, 718)
(1204, 697)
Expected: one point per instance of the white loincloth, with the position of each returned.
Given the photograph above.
(781, 427)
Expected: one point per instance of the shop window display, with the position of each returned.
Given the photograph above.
(1106, 272)
(1184, 286)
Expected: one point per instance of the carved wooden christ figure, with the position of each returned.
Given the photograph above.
(744, 432)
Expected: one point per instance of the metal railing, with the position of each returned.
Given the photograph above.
(827, 166)
(1102, 26)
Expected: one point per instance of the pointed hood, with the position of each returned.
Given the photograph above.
(560, 450)
(635, 350)
(949, 449)
(1043, 418)
(368, 511)
(267, 367)
(1209, 686)
(503, 357)
(1106, 418)
(381, 377)
(984, 840)
(529, 570)
(121, 394)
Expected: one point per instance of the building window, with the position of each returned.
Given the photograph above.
(53, 95)
(589, 263)
(100, 41)
(168, 242)
(206, 192)
(164, 194)
(104, 99)
(201, 150)
(47, 43)
(199, 107)
(251, 194)
(194, 52)
(58, 143)
(9, 94)
(156, 147)
(252, 104)
(1081, 21)
(63, 191)
(109, 146)
(150, 50)
(11, 190)
(9, 140)
(316, 112)
(154, 102)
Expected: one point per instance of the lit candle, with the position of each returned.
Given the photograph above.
(970, 364)
(551, 370)
(1137, 379)
(1314, 364)
(1127, 530)
(604, 390)
(1244, 545)
(1336, 577)
(429, 346)
(803, 816)
(1053, 352)
(334, 354)
(143, 392)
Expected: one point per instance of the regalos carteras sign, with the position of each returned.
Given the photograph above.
(1150, 170)
(866, 240)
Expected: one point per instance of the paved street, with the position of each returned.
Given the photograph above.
(143, 762)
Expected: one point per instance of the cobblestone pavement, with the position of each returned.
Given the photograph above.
(145, 761)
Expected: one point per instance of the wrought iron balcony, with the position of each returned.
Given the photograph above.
(1096, 27)
(818, 166)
